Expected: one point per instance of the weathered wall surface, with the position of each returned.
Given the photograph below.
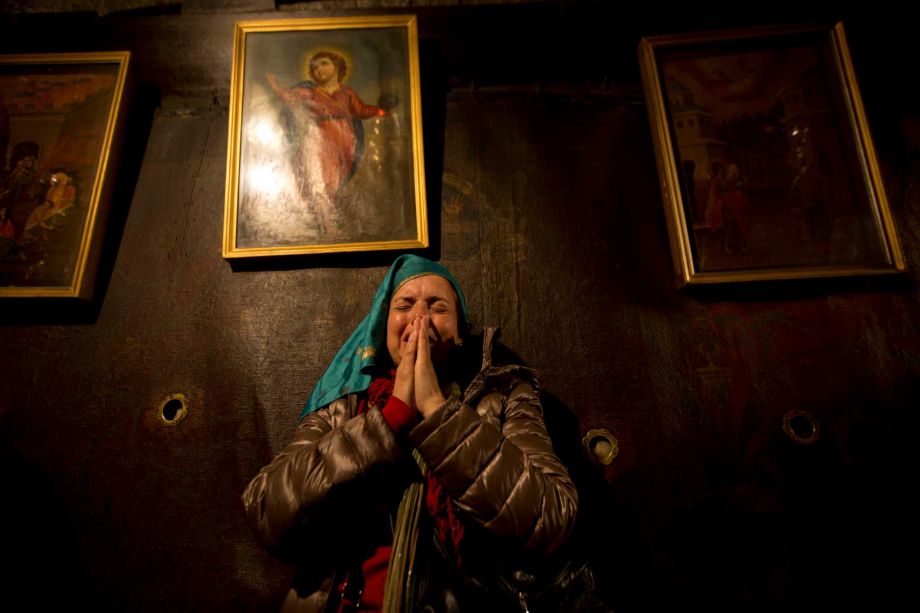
(545, 204)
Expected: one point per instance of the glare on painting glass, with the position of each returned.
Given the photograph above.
(265, 180)
(265, 133)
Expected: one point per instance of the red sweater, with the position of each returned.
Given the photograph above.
(402, 418)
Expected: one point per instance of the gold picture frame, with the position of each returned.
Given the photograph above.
(61, 117)
(765, 160)
(311, 167)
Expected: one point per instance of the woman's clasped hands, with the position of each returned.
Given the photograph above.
(416, 380)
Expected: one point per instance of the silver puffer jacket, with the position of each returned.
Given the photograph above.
(488, 448)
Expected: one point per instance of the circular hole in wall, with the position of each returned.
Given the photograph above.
(173, 409)
(600, 446)
(801, 427)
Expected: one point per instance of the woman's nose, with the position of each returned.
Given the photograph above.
(419, 309)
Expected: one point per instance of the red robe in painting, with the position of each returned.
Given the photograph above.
(338, 118)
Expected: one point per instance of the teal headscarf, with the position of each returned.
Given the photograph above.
(352, 367)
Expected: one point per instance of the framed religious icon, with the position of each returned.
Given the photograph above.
(766, 164)
(325, 143)
(60, 121)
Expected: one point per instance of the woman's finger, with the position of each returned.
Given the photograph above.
(404, 385)
(428, 395)
(424, 348)
(411, 343)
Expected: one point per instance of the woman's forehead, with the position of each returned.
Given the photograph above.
(425, 285)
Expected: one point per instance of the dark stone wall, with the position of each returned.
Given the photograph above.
(544, 202)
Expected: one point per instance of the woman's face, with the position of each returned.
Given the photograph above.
(429, 295)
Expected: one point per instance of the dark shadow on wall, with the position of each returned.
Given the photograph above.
(37, 555)
(795, 289)
(434, 109)
(603, 534)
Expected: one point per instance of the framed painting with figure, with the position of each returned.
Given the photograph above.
(765, 160)
(325, 138)
(61, 117)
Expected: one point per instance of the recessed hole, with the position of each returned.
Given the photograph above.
(801, 427)
(600, 446)
(173, 409)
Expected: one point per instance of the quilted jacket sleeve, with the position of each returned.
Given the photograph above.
(294, 498)
(498, 465)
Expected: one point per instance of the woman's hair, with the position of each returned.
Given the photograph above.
(340, 65)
